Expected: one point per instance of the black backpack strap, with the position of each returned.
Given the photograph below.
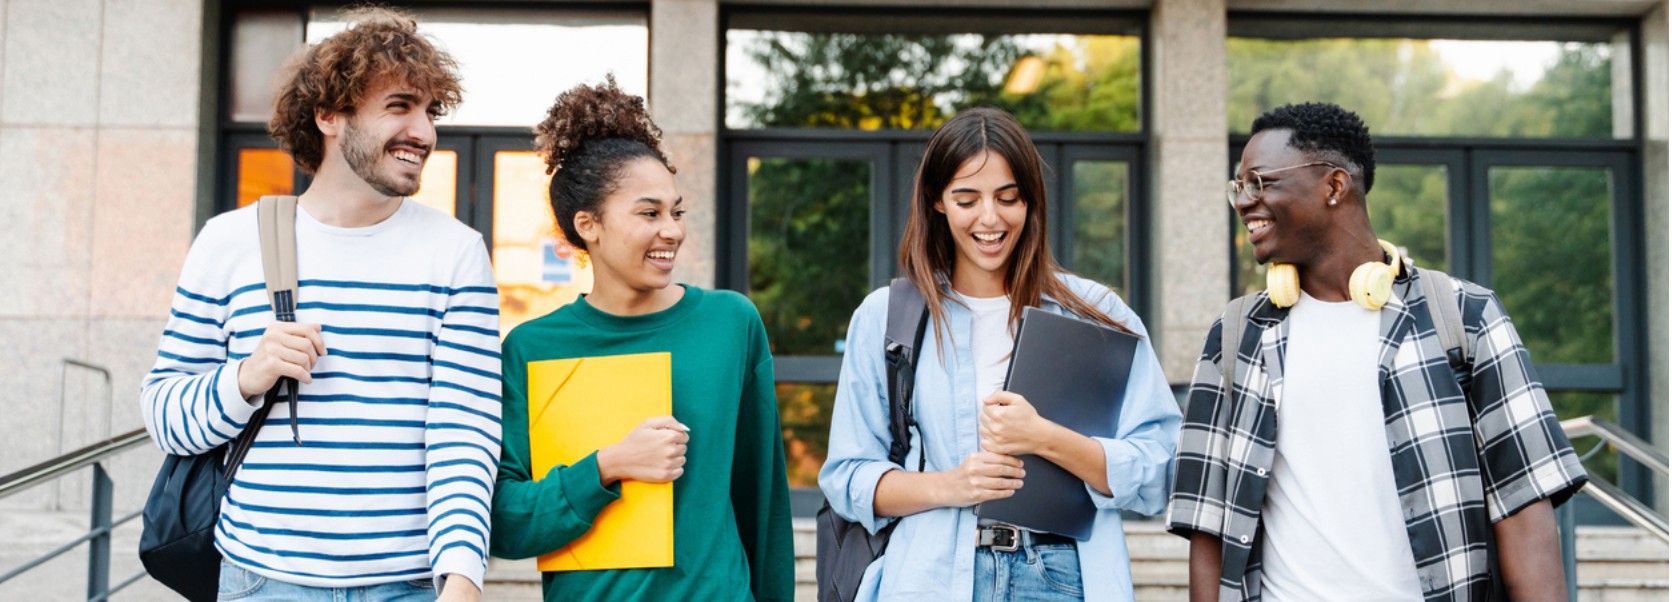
(908, 317)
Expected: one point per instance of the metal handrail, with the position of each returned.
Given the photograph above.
(98, 537)
(56, 467)
(1628, 507)
(1611, 497)
(1628, 444)
(64, 366)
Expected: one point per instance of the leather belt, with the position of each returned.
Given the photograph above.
(1006, 538)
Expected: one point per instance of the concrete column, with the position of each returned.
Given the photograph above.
(98, 127)
(1188, 162)
(684, 101)
(1655, 225)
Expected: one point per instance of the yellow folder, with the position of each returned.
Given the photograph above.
(578, 406)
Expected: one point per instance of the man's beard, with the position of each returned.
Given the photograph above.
(362, 154)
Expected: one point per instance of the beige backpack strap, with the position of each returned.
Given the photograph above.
(276, 221)
(276, 218)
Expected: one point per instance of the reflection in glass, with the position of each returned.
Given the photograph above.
(439, 184)
(1100, 222)
(1407, 208)
(532, 264)
(809, 249)
(264, 171)
(917, 81)
(1412, 87)
(1552, 260)
(804, 413)
(495, 49)
(261, 42)
(1605, 465)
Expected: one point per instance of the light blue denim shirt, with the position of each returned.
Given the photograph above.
(932, 553)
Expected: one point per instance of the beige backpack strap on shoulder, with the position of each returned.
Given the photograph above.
(276, 220)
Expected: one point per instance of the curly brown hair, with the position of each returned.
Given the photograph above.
(588, 135)
(380, 44)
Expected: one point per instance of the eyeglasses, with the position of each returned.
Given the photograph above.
(1235, 189)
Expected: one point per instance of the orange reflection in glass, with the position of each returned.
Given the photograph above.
(532, 263)
(439, 184)
(264, 171)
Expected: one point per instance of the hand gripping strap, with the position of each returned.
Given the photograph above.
(276, 220)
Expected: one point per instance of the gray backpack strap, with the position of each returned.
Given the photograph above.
(908, 314)
(1230, 338)
(276, 220)
(1447, 317)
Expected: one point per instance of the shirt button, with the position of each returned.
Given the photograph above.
(1260, 471)
(1243, 539)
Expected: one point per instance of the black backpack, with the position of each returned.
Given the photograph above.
(846, 548)
(177, 546)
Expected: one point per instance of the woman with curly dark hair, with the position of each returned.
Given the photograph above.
(614, 198)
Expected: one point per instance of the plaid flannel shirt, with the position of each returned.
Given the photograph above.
(1468, 449)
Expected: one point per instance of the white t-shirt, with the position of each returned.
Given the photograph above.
(1333, 528)
(991, 341)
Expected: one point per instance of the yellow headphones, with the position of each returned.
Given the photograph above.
(1370, 285)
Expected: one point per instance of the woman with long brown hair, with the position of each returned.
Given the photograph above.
(976, 249)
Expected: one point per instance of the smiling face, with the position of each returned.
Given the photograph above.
(636, 233)
(1288, 219)
(986, 214)
(389, 137)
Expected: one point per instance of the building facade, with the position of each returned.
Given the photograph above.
(1522, 144)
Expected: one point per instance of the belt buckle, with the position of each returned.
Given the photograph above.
(1003, 532)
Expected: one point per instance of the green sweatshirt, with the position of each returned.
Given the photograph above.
(731, 507)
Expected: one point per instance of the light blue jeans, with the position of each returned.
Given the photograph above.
(1033, 573)
(239, 584)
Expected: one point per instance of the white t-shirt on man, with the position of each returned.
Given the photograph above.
(1333, 527)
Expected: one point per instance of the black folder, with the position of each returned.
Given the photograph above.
(1074, 372)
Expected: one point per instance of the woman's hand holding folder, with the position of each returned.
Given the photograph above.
(653, 452)
(1010, 425)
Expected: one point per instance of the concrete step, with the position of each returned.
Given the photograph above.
(1617, 564)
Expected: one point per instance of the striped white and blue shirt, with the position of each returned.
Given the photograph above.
(400, 427)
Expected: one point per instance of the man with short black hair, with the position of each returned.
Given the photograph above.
(1353, 456)
(383, 489)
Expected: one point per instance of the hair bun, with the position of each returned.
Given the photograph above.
(585, 113)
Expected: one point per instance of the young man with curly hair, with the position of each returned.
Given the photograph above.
(1353, 456)
(377, 481)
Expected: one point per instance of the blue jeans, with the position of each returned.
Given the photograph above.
(239, 584)
(1033, 573)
